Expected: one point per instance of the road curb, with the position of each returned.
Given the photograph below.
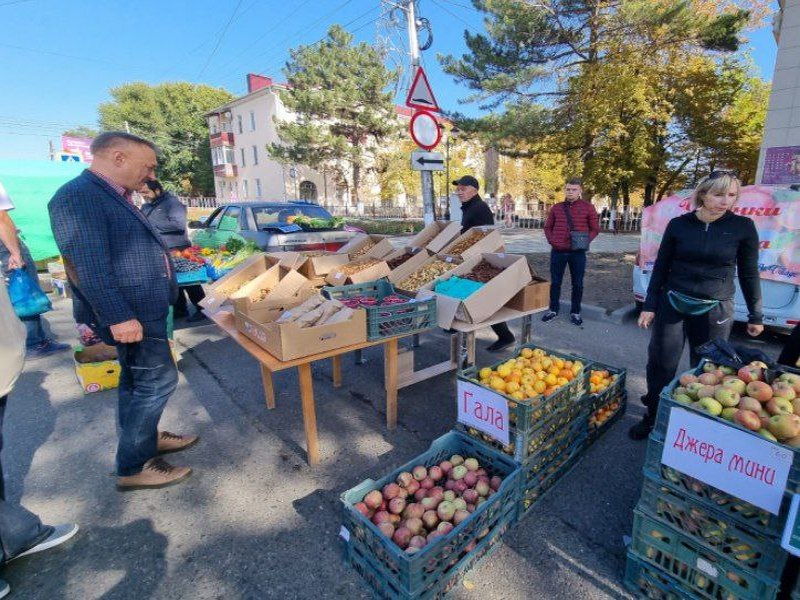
(623, 314)
(598, 313)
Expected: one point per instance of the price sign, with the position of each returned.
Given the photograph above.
(484, 410)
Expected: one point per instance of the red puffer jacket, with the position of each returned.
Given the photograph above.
(584, 218)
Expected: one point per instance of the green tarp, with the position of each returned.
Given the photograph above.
(31, 184)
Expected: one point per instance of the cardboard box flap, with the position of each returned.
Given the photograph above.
(319, 266)
(491, 242)
(281, 282)
(219, 292)
(380, 250)
(372, 273)
(446, 235)
(355, 242)
(435, 236)
(290, 260)
(415, 261)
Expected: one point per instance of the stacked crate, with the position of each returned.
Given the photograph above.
(606, 407)
(691, 540)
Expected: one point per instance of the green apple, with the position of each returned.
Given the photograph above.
(766, 434)
(683, 399)
(727, 396)
(735, 384)
(729, 413)
(778, 406)
(711, 406)
(694, 388)
(783, 426)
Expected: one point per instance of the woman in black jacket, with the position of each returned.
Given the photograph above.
(691, 290)
(167, 215)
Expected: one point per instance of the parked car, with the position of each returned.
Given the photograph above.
(772, 210)
(271, 226)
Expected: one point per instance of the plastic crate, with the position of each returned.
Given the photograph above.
(192, 277)
(646, 581)
(388, 321)
(561, 445)
(700, 572)
(534, 487)
(384, 586)
(416, 574)
(753, 517)
(714, 531)
(615, 393)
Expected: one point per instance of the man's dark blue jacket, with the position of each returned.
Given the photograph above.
(116, 263)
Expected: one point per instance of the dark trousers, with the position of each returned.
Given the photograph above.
(670, 330)
(576, 259)
(791, 349)
(195, 294)
(148, 377)
(503, 332)
(20, 529)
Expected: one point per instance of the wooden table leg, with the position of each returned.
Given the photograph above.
(390, 371)
(269, 389)
(337, 371)
(309, 412)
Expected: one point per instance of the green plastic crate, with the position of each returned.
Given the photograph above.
(753, 517)
(416, 574)
(615, 393)
(646, 581)
(534, 487)
(383, 322)
(700, 572)
(714, 531)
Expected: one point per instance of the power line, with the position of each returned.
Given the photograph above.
(221, 36)
(451, 13)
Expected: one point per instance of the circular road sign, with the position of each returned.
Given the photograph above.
(425, 130)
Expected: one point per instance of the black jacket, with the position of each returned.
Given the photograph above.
(474, 213)
(167, 215)
(701, 259)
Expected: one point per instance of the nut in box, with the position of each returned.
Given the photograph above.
(419, 522)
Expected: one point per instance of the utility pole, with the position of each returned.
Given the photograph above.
(127, 127)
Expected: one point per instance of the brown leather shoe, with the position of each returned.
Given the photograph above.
(172, 442)
(156, 473)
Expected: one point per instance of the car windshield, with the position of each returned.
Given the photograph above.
(284, 214)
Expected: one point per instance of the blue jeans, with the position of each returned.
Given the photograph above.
(147, 379)
(33, 325)
(576, 259)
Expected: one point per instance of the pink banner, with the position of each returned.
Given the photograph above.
(775, 211)
(77, 145)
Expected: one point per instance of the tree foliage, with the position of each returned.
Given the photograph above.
(81, 131)
(172, 115)
(340, 95)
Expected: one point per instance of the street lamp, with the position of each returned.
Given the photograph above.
(454, 131)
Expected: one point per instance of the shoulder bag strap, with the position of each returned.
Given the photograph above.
(569, 218)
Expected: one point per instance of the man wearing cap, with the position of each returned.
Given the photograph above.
(474, 213)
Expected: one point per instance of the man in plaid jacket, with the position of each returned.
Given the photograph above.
(120, 270)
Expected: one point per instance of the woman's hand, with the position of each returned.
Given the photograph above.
(646, 318)
(754, 330)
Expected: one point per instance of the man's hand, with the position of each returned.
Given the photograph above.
(754, 330)
(15, 262)
(646, 318)
(127, 332)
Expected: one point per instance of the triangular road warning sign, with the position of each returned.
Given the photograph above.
(421, 95)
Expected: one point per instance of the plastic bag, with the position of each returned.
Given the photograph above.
(722, 352)
(26, 296)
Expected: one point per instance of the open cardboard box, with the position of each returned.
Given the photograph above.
(285, 285)
(491, 297)
(383, 246)
(315, 268)
(376, 271)
(436, 236)
(219, 293)
(492, 242)
(405, 270)
(533, 296)
(416, 260)
(289, 341)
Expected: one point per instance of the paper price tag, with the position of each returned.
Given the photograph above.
(344, 533)
(484, 410)
(449, 259)
(707, 568)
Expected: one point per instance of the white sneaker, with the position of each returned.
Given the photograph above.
(61, 533)
(5, 589)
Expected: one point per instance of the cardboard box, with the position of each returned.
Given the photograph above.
(418, 259)
(491, 297)
(288, 341)
(376, 271)
(533, 296)
(436, 236)
(493, 242)
(315, 268)
(397, 276)
(218, 293)
(285, 285)
(383, 246)
(95, 375)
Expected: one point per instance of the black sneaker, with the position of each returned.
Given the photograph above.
(500, 345)
(642, 429)
(198, 316)
(45, 348)
(576, 320)
(549, 316)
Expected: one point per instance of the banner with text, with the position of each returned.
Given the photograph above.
(731, 460)
(483, 409)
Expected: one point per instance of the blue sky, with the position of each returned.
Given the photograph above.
(58, 60)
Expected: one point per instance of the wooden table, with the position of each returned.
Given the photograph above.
(270, 364)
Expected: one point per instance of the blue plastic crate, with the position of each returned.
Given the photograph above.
(416, 574)
(192, 277)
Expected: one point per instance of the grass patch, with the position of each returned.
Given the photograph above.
(387, 227)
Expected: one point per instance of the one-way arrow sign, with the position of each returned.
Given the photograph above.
(427, 161)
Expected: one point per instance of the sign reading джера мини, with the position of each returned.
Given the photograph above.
(731, 460)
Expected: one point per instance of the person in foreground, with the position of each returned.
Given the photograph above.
(21, 532)
(120, 269)
(474, 213)
(691, 290)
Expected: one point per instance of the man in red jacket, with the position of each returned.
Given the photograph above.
(572, 215)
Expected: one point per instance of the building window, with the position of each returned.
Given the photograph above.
(244, 164)
(308, 191)
(255, 155)
(239, 122)
(228, 154)
(258, 188)
(252, 120)
(214, 129)
(245, 189)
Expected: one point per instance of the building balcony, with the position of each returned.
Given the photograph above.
(222, 138)
(227, 170)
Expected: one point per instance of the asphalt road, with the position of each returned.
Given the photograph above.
(256, 521)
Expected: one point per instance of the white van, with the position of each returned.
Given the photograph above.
(776, 213)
